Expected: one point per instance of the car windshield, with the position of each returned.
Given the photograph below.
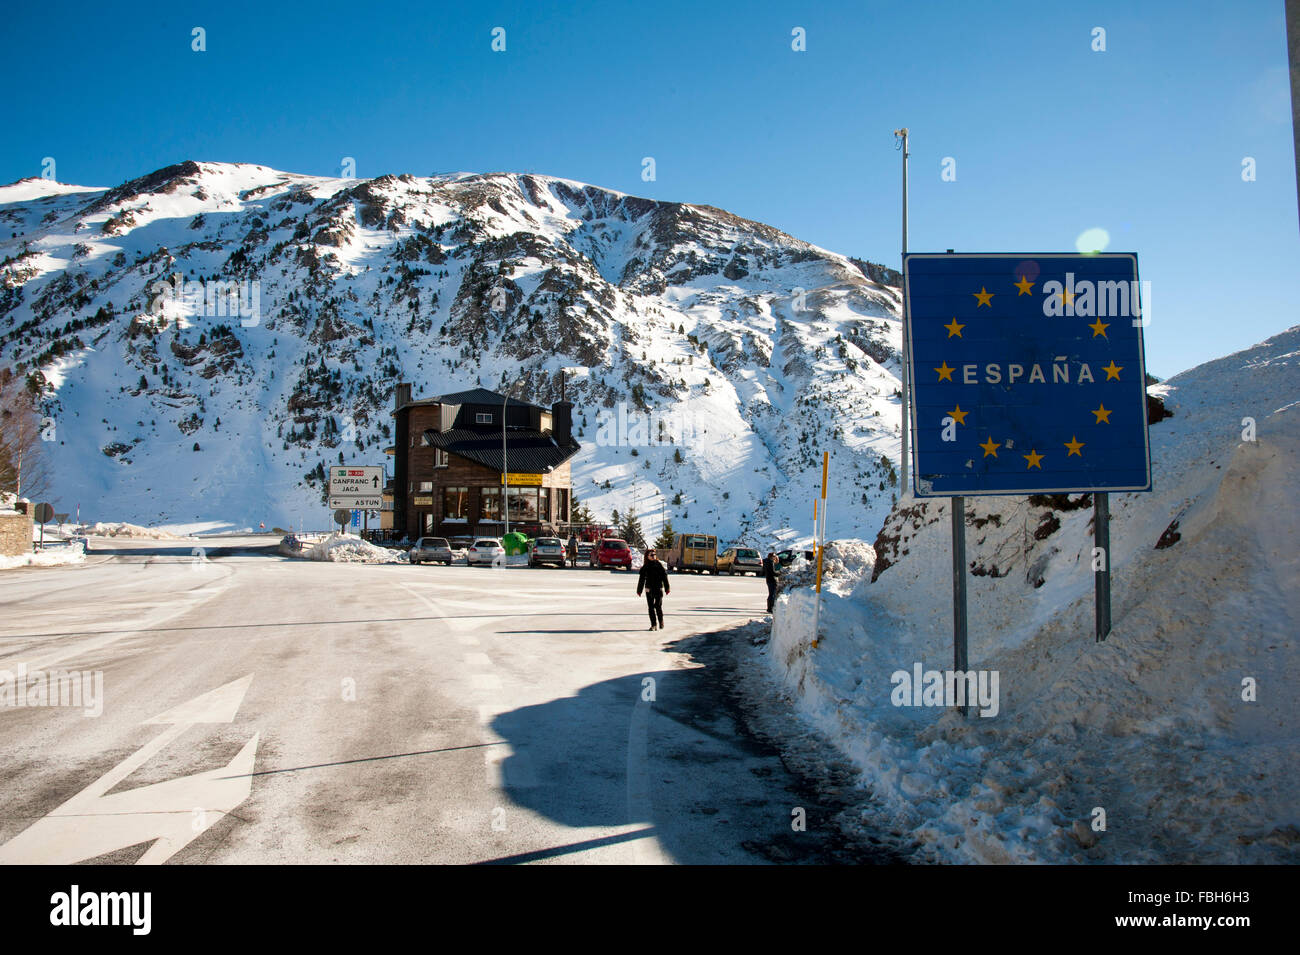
(747, 553)
(615, 545)
(548, 541)
(486, 543)
(697, 542)
(435, 542)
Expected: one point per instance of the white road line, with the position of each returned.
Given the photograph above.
(645, 851)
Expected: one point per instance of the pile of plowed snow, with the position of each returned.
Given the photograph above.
(49, 557)
(344, 548)
(123, 529)
(1174, 740)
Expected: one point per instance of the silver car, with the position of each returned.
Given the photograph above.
(546, 550)
(431, 550)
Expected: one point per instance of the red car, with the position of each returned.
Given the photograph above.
(611, 552)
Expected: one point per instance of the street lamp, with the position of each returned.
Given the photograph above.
(505, 469)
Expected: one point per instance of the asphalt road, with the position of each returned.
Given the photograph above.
(256, 709)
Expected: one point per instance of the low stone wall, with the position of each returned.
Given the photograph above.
(15, 533)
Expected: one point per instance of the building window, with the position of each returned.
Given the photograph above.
(428, 525)
(489, 508)
(455, 503)
(562, 506)
(426, 487)
(523, 503)
(544, 504)
(439, 458)
(483, 417)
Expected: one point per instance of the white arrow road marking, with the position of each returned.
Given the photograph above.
(173, 813)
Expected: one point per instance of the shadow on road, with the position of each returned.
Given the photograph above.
(684, 764)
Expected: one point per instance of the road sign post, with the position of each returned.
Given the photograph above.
(819, 544)
(959, 588)
(43, 513)
(1027, 376)
(1101, 562)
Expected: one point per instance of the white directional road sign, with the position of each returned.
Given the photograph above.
(356, 486)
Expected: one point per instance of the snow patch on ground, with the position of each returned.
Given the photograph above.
(125, 529)
(73, 553)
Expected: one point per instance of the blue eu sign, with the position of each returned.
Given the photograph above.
(1028, 374)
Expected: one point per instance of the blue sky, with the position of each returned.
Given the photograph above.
(1050, 138)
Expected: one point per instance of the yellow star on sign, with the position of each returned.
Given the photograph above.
(1103, 414)
(958, 415)
(1067, 296)
(985, 297)
(1033, 457)
(1026, 287)
(954, 327)
(945, 373)
(1074, 444)
(1112, 370)
(990, 447)
(1099, 328)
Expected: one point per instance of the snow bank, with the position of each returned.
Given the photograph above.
(344, 548)
(73, 553)
(1157, 726)
(124, 529)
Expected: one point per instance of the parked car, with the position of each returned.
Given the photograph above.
(740, 560)
(461, 544)
(432, 549)
(546, 550)
(484, 550)
(611, 552)
(787, 557)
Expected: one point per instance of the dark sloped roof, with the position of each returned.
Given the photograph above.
(530, 452)
(475, 396)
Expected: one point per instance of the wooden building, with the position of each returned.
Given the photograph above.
(448, 464)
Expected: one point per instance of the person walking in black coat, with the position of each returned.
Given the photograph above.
(769, 572)
(654, 581)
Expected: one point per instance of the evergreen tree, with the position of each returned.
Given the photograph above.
(665, 540)
(631, 531)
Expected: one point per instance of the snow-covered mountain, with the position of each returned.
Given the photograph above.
(210, 335)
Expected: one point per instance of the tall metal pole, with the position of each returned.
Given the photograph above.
(819, 542)
(902, 135)
(1101, 579)
(505, 471)
(959, 589)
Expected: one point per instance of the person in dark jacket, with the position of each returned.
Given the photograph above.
(654, 581)
(769, 572)
(573, 550)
